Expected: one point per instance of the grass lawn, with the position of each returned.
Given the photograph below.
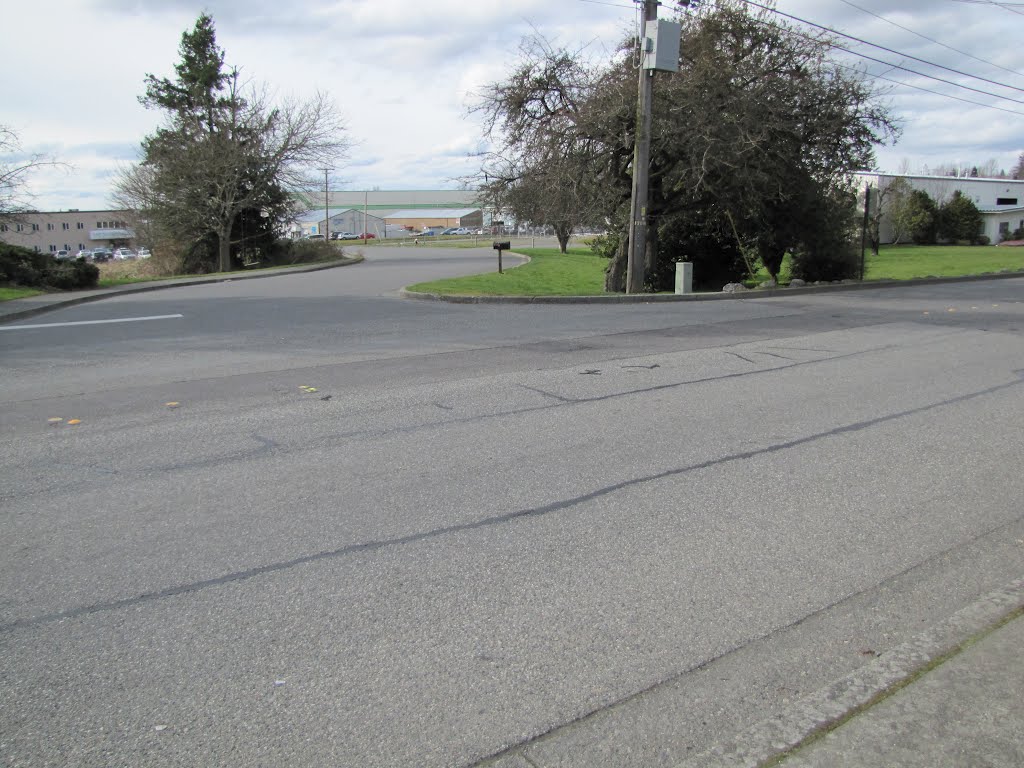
(7, 293)
(580, 273)
(549, 273)
(902, 262)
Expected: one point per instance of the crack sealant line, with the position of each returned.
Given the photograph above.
(509, 517)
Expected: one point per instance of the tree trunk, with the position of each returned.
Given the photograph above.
(562, 234)
(615, 275)
(771, 257)
(651, 257)
(224, 251)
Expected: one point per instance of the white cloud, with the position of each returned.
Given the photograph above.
(403, 73)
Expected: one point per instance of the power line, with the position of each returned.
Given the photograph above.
(610, 5)
(897, 66)
(930, 39)
(1011, 7)
(927, 90)
(890, 64)
(889, 50)
(793, 31)
(930, 77)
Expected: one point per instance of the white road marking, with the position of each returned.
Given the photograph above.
(89, 322)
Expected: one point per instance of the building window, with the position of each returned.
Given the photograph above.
(1006, 201)
(19, 227)
(53, 248)
(3, 227)
(80, 225)
(1004, 230)
(35, 227)
(65, 225)
(49, 227)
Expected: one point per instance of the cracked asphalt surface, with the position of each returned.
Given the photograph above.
(311, 523)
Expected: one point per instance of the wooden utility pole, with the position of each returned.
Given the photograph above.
(636, 258)
(864, 228)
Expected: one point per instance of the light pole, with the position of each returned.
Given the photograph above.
(327, 215)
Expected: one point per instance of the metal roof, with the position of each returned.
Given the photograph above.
(432, 213)
(316, 215)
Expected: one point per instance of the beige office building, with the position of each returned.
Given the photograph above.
(72, 231)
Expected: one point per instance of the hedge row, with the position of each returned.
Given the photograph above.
(30, 269)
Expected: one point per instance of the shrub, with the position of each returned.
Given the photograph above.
(286, 252)
(605, 245)
(25, 267)
(959, 219)
(920, 216)
(705, 241)
(983, 240)
(68, 275)
(839, 262)
(831, 250)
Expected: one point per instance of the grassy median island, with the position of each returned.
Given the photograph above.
(580, 273)
(548, 273)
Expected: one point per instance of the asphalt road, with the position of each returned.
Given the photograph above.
(302, 521)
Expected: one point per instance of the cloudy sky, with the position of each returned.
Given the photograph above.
(402, 73)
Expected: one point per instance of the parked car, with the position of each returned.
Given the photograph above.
(315, 237)
(367, 236)
(346, 236)
(462, 231)
(426, 233)
(62, 254)
(101, 254)
(144, 253)
(449, 231)
(84, 255)
(120, 254)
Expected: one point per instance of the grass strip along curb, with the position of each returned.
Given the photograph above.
(578, 276)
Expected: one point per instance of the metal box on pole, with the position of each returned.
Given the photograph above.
(661, 49)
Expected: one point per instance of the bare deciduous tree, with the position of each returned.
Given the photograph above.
(15, 169)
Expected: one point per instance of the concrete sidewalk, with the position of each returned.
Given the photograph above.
(954, 696)
(967, 711)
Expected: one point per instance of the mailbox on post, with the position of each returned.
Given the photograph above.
(499, 247)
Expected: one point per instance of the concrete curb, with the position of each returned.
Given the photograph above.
(832, 705)
(50, 302)
(655, 298)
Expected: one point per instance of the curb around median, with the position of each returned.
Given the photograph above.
(656, 298)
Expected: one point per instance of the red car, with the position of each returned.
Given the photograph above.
(367, 236)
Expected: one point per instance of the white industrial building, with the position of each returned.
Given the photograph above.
(1001, 201)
